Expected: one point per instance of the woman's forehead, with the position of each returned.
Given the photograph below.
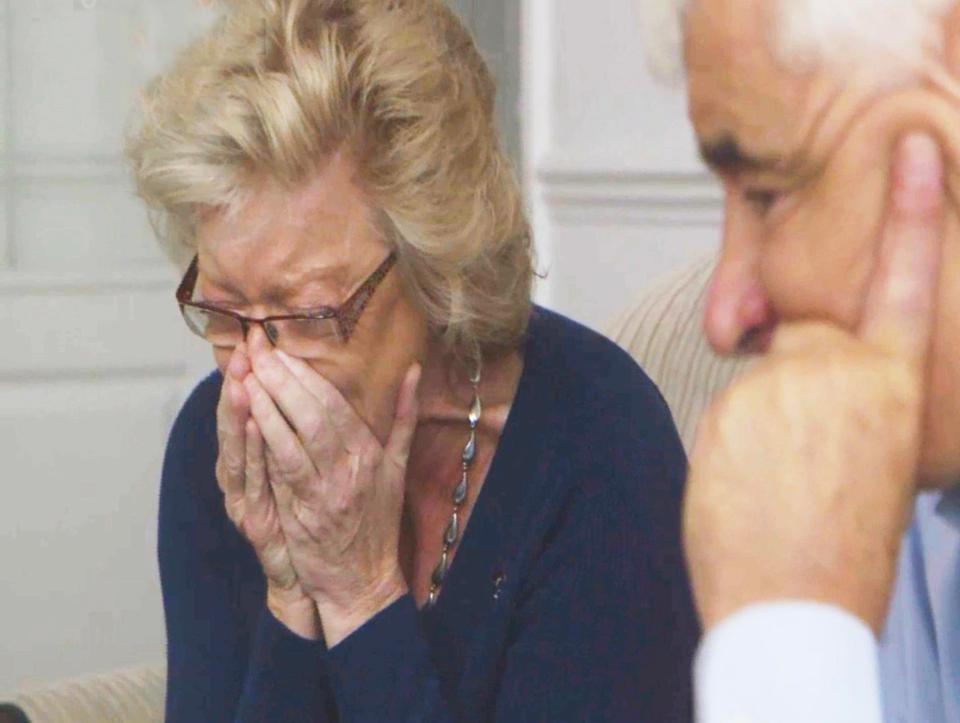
(275, 247)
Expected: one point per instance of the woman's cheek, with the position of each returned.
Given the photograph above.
(221, 358)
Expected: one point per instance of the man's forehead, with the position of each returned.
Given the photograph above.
(741, 98)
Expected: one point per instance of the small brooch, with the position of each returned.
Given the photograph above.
(498, 580)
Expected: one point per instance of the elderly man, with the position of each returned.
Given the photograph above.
(823, 513)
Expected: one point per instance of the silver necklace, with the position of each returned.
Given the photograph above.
(451, 534)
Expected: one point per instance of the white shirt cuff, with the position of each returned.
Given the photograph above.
(788, 662)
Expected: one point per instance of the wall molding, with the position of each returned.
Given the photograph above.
(6, 132)
(67, 168)
(586, 193)
(23, 378)
(149, 280)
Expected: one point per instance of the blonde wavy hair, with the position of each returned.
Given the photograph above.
(278, 86)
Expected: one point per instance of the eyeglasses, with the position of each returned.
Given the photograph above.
(300, 335)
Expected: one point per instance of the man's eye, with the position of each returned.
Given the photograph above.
(762, 200)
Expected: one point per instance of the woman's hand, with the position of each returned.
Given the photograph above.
(250, 504)
(803, 473)
(339, 492)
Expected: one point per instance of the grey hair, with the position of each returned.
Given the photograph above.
(896, 37)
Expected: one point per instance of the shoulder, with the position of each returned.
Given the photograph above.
(197, 419)
(598, 385)
(616, 452)
(609, 500)
(192, 445)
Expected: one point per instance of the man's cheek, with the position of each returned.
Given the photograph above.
(821, 256)
(812, 271)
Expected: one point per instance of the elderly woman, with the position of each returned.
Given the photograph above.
(407, 494)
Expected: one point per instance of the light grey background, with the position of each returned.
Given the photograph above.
(94, 360)
(496, 27)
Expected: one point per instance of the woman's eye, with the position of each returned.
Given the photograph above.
(761, 200)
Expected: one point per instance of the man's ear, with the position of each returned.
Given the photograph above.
(951, 30)
(924, 109)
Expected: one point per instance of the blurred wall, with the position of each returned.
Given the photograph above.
(618, 195)
(496, 26)
(93, 357)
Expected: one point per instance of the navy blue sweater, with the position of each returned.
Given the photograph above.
(567, 600)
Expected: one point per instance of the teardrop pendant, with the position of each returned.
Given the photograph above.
(470, 450)
(460, 493)
(451, 535)
(475, 411)
(453, 530)
(440, 571)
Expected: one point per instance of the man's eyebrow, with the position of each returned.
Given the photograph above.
(725, 155)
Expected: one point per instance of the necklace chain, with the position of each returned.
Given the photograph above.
(454, 529)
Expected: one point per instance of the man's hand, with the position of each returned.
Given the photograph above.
(804, 472)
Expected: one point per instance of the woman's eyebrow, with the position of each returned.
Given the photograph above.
(282, 290)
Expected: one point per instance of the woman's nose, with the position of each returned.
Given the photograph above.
(738, 317)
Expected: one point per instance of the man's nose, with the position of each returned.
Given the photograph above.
(738, 317)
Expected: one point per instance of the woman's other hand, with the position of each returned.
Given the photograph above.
(249, 500)
(339, 491)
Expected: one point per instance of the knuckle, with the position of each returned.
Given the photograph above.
(312, 427)
(397, 462)
(345, 502)
(235, 511)
(291, 465)
(223, 473)
(231, 464)
(306, 517)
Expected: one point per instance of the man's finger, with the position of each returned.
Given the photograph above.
(405, 421)
(901, 302)
(804, 337)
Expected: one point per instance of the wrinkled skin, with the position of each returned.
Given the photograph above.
(840, 264)
(801, 241)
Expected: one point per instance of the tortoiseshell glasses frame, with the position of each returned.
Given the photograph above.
(294, 333)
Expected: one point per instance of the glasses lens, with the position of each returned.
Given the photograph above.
(217, 329)
(305, 338)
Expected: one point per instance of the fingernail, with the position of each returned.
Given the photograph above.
(919, 166)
